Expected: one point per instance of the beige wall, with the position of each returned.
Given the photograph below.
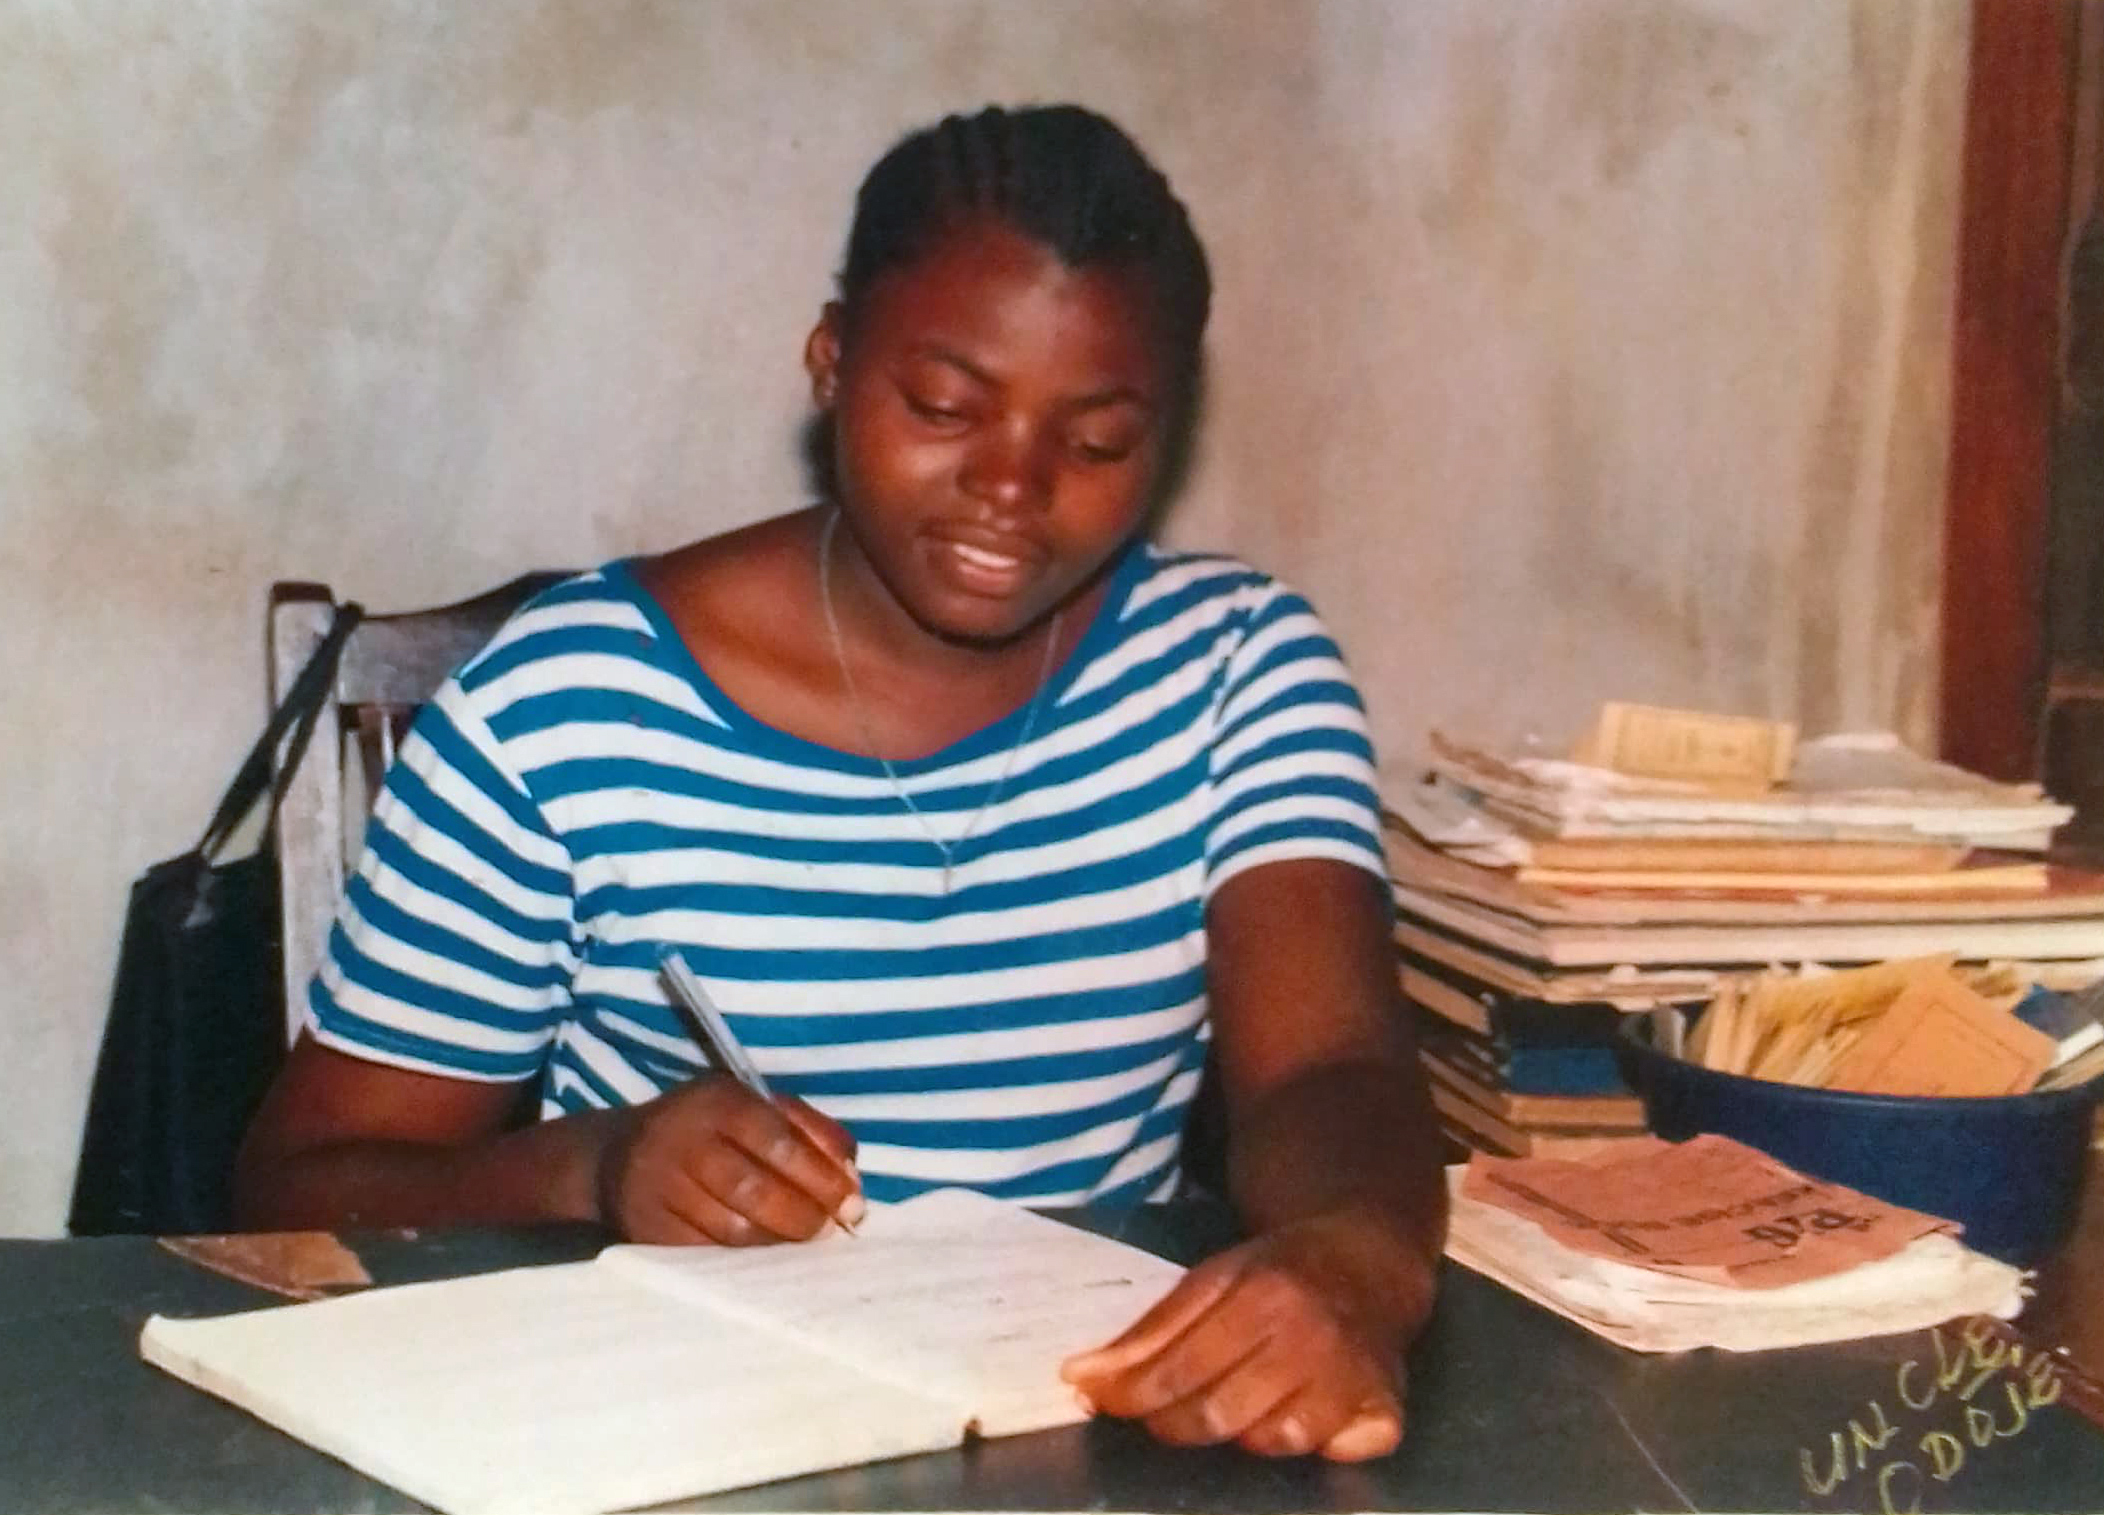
(1564, 350)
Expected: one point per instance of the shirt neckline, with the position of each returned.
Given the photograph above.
(1002, 733)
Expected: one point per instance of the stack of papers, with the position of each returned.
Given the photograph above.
(1716, 1246)
(1868, 852)
(1705, 925)
(1539, 898)
(1848, 787)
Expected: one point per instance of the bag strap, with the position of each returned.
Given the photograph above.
(297, 713)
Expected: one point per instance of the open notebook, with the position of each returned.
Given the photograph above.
(653, 1373)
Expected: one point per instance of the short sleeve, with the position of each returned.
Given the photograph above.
(453, 950)
(1291, 764)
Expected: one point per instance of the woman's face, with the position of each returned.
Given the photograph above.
(997, 421)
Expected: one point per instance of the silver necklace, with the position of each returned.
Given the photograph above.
(947, 850)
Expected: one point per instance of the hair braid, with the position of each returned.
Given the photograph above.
(1061, 175)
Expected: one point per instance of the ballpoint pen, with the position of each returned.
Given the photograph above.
(707, 1024)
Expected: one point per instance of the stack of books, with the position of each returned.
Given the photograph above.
(1540, 899)
(1513, 1072)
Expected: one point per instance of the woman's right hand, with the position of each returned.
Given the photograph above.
(711, 1161)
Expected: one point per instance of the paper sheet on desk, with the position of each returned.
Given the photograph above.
(1933, 1279)
(1709, 1208)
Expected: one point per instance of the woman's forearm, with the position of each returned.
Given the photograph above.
(544, 1172)
(1352, 1147)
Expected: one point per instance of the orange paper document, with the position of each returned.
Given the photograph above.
(296, 1264)
(1940, 1037)
(1709, 1208)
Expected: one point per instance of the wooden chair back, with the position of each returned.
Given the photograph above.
(391, 665)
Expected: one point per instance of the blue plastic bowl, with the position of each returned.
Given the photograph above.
(2009, 1169)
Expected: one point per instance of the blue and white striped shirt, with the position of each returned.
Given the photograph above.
(581, 795)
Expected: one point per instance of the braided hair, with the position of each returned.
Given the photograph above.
(1065, 177)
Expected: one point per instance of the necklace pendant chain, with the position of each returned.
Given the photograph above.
(946, 850)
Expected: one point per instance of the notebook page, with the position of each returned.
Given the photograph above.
(952, 1293)
(545, 1391)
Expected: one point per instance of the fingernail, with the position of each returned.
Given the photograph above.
(1367, 1436)
(853, 1209)
(1078, 1366)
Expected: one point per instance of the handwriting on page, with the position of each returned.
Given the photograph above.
(1946, 1411)
(954, 1294)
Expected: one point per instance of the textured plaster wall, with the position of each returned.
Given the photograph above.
(1629, 358)
(1564, 350)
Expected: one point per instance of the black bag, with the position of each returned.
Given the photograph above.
(196, 1026)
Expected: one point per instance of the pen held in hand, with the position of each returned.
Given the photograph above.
(708, 1027)
(707, 1024)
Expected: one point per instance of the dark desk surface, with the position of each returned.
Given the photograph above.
(1511, 1409)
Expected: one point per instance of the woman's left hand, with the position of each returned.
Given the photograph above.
(1286, 1344)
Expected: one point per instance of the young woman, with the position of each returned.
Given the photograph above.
(981, 818)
